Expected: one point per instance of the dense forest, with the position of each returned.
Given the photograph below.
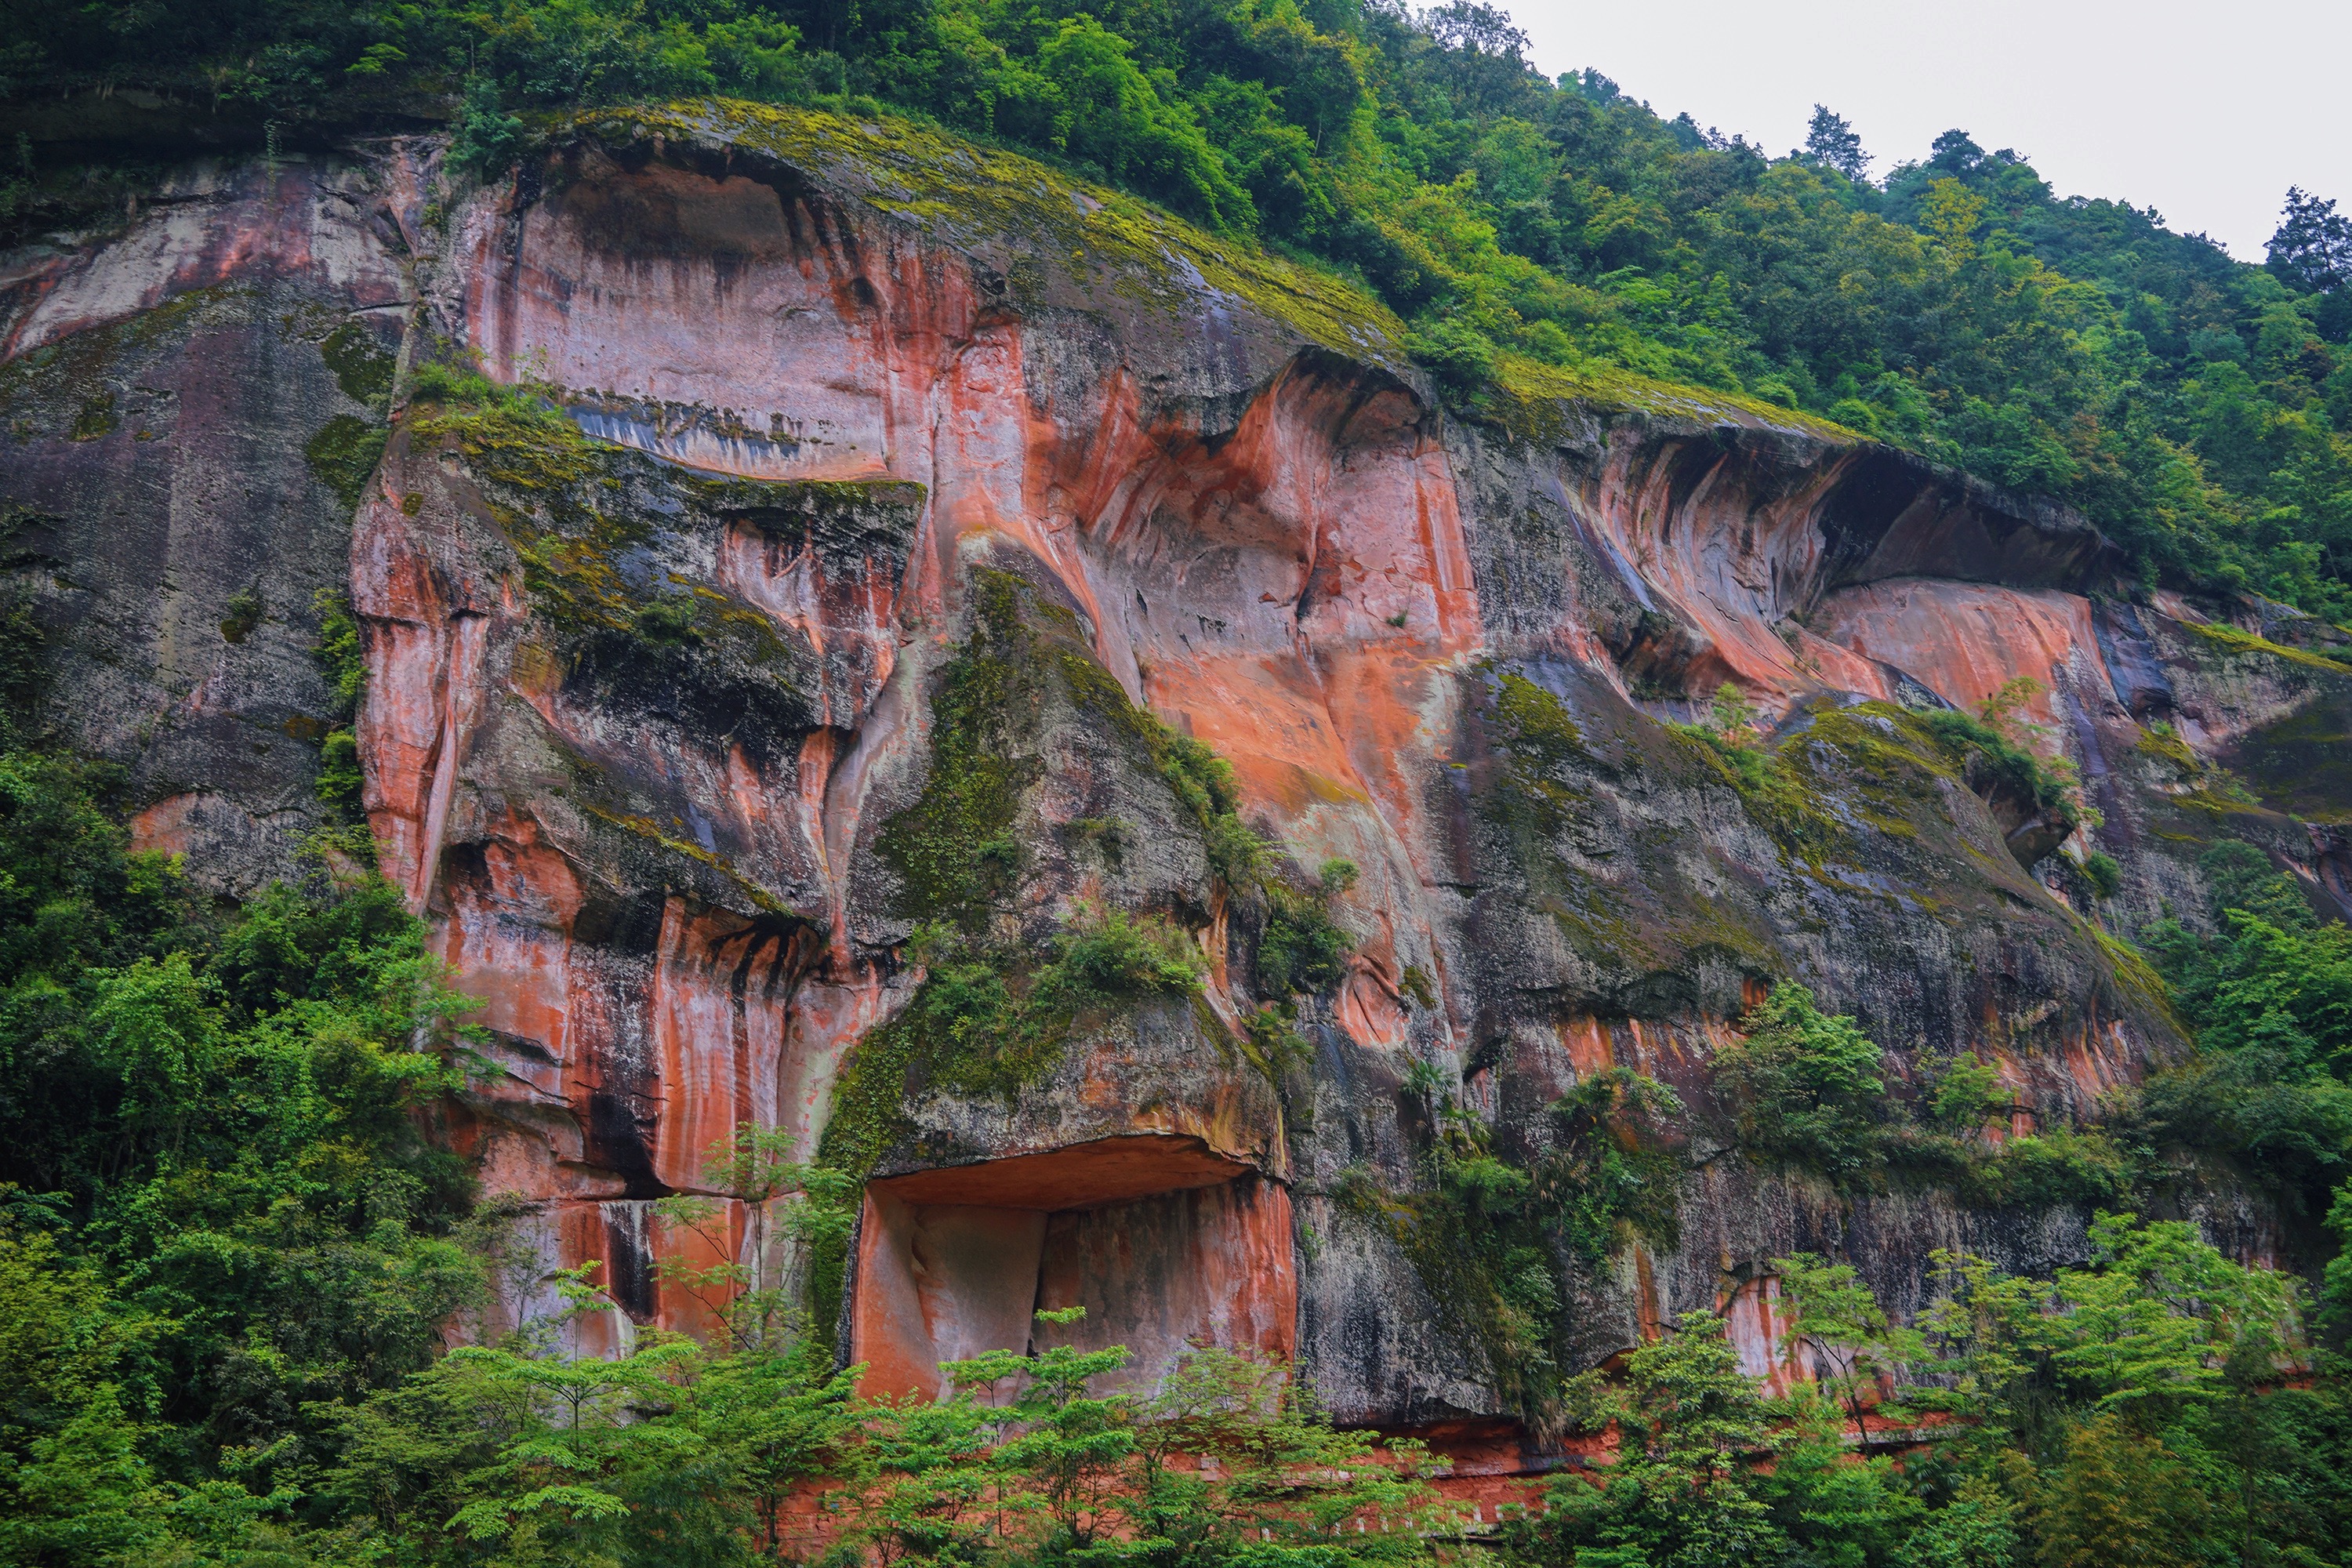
(232, 1246)
(2195, 407)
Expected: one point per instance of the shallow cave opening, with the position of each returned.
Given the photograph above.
(1166, 1244)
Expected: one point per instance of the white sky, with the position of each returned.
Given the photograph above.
(2205, 112)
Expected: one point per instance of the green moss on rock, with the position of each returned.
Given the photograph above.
(361, 365)
(1536, 402)
(343, 455)
(2241, 643)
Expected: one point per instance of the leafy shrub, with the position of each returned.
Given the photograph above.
(1967, 1092)
(1805, 1087)
(2064, 1165)
(2106, 877)
(1998, 764)
(1301, 950)
(1458, 355)
(2269, 994)
(1112, 953)
(486, 139)
(669, 619)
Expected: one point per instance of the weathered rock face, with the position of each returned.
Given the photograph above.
(190, 411)
(660, 691)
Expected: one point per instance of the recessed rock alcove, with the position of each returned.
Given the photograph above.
(1164, 1242)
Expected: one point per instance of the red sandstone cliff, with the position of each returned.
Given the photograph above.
(643, 698)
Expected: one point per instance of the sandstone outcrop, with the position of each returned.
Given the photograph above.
(657, 693)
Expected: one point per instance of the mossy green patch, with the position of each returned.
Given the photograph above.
(81, 372)
(1543, 741)
(993, 1012)
(96, 419)
(953, 849)
(990, 1020)
(361, 365)
(2303, 763)
(1534, 402)
(648, 829)
(1542, 795)
(2241, 643)
(2135, 976)
(574, 508)
(1775, 788)
(2213, 802)
(246, 611)
(343, 455)
(567, 542)
(2163, 743)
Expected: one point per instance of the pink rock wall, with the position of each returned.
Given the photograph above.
(1296, 589)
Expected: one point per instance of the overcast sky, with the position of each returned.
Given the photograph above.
(2207, 112)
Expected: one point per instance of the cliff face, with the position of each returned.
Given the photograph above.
(663, 697)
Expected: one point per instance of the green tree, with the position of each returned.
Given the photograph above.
(1682, 1492)
(1804, 1087)
(2269, 996)
(2119, 1500)
(1830, 141)
(1834, 1320)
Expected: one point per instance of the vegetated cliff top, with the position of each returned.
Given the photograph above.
(2197, 408)
(1128, 254)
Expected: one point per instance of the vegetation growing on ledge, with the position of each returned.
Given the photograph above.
(1533, 400)
(967, 193)
(574, 510)
(2237, 641)
(1730, 740)
(992, 1014)
(1805, 1087)
(985, 1022)
(1806, 1091)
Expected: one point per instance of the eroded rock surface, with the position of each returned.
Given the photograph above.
(190, 410)
(658, 691)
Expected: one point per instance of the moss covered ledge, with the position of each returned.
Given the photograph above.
(1110, 247)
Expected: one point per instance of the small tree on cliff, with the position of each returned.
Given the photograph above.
(1837, 1324)
(748, 1289)
(1681, 1490)
(1805, 1087)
